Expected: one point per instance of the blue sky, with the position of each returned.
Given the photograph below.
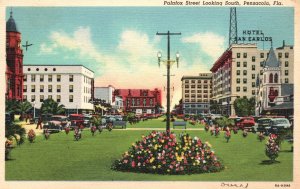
(120, 45)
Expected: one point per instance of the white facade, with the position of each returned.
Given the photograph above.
(105, 93)
(70, 85)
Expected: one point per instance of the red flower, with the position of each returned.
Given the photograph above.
(133, 164)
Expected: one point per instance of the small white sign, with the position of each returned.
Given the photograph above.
(149, 111)
(138, 111)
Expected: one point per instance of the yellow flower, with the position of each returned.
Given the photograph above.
(154, 167)
(159, 166)
(155, 147)
(132, 144)
(177, 148)
(194, 164)
(152, 159)
(168, 170)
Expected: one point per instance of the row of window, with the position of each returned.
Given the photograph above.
(198, 91)
(194, 96)
(198, 81)
(38, 69)
(194, 100)
(33, 78)
(138, 102)
(198, 86)
(58, 98)
(262, 55)
(50, 88)
(195, 105)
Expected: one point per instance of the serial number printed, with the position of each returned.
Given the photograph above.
(282, 185)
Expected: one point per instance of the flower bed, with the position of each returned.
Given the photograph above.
(160, 153)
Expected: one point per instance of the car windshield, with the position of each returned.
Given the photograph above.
(76, 118)
(264, 121)
(56, 118)
(280, 121)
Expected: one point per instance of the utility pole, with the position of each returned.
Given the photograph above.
(168, 62)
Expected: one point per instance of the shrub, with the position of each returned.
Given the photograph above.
(160, 153)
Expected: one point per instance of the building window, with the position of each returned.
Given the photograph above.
(144, 102)
(41, 88)
(253, 76)
(253, 58)
(25, 88)
(280, 55)
(199, 81)
(238, 80)
(50, 88)
(41, 78)
(276, 78)
(186, 81)
(138, 102)
(70, 98)
(286, 55)
(186, 91)
(286, 80)
(244, 80)
(32, 88)
(187, 96)
(245, 72)
(253, 67)
(238, 55)
(33, 78)
(238, 89)
(238, 64)
(71, 88)
(58, 88)
(58, 98)
(193, 81)
(25, 78)
(253, 84)
(245, 64)
(193, 91)
(24, 97)
(286, 72)
(245, 89)
(71, 78)
(271, 78)
(198, 91)
(237, 72)
(253, 92)
(186, 86)
(41, 98)
(49, 96)
(199, 86)
(245, 55)
(32, 98)
(49, 78)
(262, 55)
(58, 78)
(286, 64)
(193, 86)
(133, 102)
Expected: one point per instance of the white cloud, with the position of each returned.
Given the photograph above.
(210, 43)
(133, 64)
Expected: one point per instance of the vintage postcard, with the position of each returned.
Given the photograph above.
(139, 94)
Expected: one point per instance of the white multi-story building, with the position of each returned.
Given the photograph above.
(236, 71)
(105, 93)
(196, 93)
(70, 85)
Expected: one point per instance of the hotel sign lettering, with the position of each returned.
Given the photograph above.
(254, 35)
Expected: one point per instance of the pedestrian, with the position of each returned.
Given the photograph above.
(39, 123)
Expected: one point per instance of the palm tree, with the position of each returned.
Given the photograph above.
(50, 106)
(23, 108)
(11, 106)
(15, 131)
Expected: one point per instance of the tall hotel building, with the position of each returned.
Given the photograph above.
(236, 72)
(196, 93)
(70, 85)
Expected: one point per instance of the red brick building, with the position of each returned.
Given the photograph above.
(14, 62)
(140, 101)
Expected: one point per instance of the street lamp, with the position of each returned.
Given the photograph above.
(168, 63)
(33, 104)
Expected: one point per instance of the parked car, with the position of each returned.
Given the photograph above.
(87, 120)
(52, 128)
(278, 124)
(246, 123)
(262, 125)
(76, 120)
(59, 120)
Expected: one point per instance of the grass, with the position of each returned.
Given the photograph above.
(159, 123)
(62, 158)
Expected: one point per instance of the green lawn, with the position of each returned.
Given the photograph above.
(62, 158)
(159, 123)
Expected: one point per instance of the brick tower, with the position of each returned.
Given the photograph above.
(14, 61)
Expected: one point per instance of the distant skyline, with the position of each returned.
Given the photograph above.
(120, 44)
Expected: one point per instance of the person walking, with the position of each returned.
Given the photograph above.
(39, 123)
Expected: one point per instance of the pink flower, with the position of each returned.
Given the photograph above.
(133, 164)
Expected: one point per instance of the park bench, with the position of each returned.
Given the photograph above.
(120, 123)
(179, 123)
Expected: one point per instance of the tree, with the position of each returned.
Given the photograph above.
(50, 106)
(214, 106)
(13, 131)
(244, 107)
(11, 106)
(223, 122)
(23, 108)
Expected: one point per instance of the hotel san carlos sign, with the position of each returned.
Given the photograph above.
(254, 36)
